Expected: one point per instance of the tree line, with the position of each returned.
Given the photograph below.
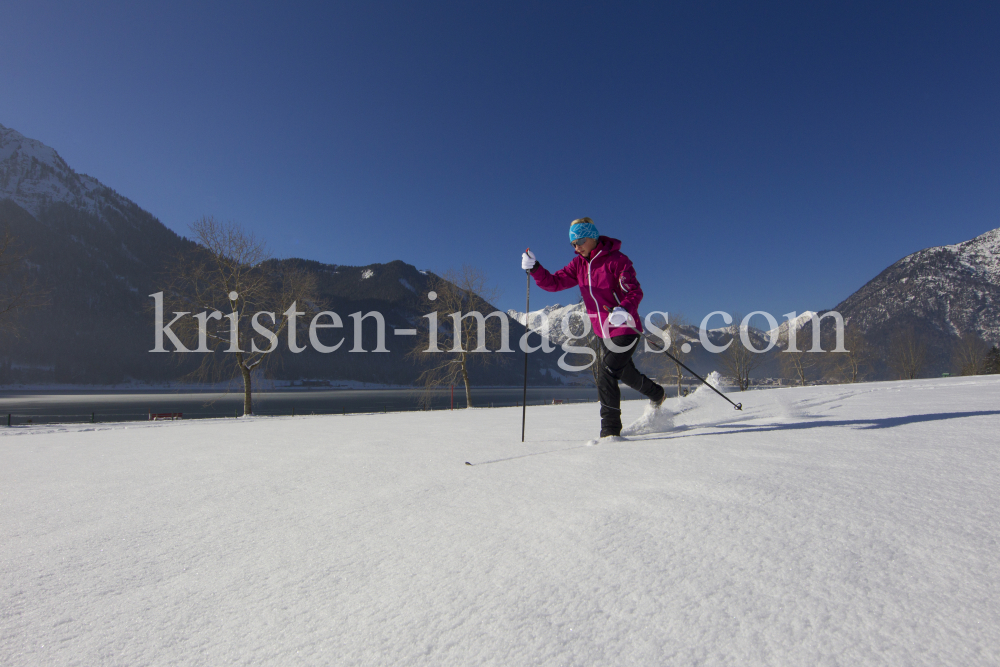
(232, 275)
(903, 354)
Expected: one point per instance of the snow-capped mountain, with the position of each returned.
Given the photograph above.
(34, 177)
(100, 255)
(795, 325)
(549, 321)
(938, 294)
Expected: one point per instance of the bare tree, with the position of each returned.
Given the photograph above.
(18, 289)
(232, 286)
(738, 361)
(672, 366)
(798, 365)
(455, 336)
(855, 364)
(991, 364)
(968, 354)
(907, 354)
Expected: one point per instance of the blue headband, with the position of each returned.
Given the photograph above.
(583, 230)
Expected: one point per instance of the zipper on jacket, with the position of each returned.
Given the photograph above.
(590, 286)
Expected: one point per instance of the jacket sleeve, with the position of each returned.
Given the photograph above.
(628, 286)
(562, 279)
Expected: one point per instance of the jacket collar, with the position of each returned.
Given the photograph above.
(605, 245)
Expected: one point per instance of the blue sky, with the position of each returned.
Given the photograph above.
(750, 156)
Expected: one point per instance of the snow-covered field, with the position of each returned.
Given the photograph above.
(839, 525)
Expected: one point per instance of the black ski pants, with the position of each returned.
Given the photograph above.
(617, 366)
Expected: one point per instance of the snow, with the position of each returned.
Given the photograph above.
(366, 274)
(843, 524)
(665, 418)
(796, 323)
(405, 283)
(34, 175)
(548, 321)
(980, 255)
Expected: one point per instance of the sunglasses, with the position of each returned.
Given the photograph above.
(577, 243)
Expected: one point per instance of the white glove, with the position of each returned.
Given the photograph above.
(618, 317)
(528, 260)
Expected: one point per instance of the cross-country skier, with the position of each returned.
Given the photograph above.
(611, 294)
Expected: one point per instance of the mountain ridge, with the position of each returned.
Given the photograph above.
(101, 255)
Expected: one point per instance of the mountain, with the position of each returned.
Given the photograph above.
(938, 293)
(548, 322)
(97, 253)
(100, 256)
(396, 290)
(35, 177)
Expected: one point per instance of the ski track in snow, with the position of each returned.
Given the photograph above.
(836, 525)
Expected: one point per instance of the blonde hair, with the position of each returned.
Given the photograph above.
(582, 221)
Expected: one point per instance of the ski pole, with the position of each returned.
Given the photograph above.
(527, 315)
(664, 350)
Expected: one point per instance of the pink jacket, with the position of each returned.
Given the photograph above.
(607, 279)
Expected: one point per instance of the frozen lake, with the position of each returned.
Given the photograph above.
(47, 406)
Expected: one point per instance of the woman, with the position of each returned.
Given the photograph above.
(611, 294)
